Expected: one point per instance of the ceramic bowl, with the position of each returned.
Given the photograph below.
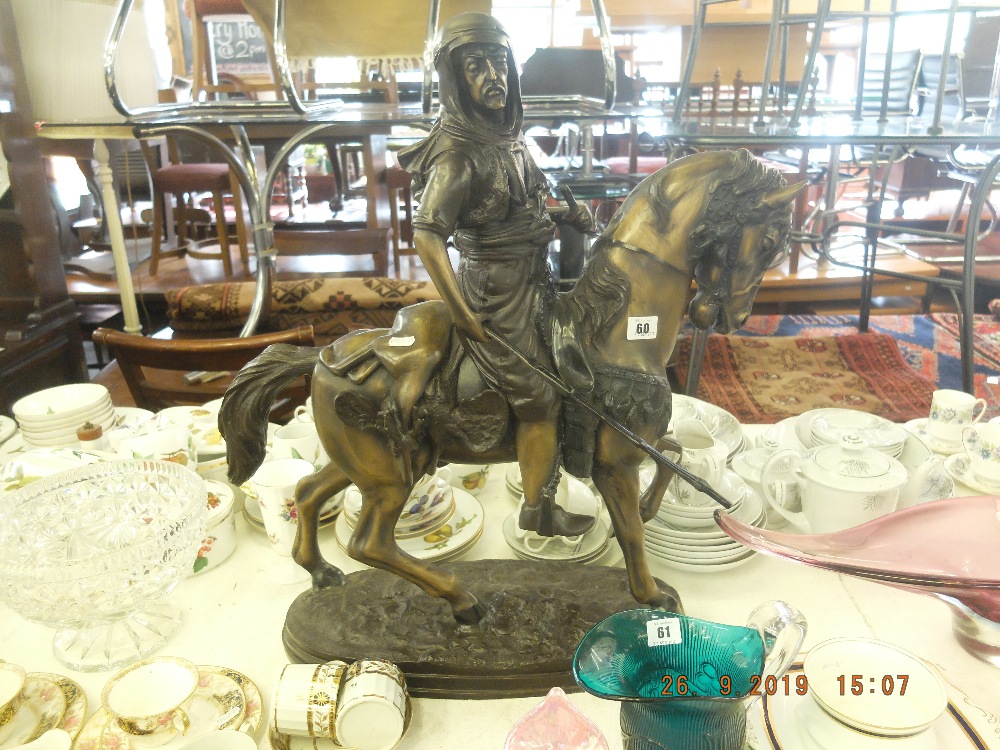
(104, 413)
(860, 683)
(61, 402)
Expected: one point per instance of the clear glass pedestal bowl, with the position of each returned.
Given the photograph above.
(94, 551)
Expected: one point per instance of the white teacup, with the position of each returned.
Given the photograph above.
(702, 455)
(274, 485)
(299, 440)
(469, 477)
(982, 446)
(166, 444)
(150, 699)
(12, 679)
(951, 412)
(371, 712)
(305, 699)
(305, 413)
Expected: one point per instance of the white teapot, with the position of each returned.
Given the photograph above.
(842, 485)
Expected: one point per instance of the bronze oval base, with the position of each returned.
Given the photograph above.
(537, 613)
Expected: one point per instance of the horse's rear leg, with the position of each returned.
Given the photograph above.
(617, 479)
(311, 495)
(374, 543)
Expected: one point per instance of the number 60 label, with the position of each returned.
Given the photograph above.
(641, 327)
(663, 632)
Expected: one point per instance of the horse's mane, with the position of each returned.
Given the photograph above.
(733, 202)
(600, 297)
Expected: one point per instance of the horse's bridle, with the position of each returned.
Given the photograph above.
(714, 295)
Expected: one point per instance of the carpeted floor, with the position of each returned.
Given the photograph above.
(779, 366)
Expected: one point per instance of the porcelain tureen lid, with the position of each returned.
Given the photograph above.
(853, 465)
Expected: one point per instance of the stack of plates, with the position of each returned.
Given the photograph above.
(585, 548)
(828, 426)
(454, 534)
(52, 417)
(701, 548)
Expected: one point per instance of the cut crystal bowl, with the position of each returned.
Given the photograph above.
(92, 552)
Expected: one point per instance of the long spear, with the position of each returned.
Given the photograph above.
(693, 479)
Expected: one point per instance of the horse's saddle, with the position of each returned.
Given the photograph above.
(417, 349)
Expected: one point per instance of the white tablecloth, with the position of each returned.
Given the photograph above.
(233, 617)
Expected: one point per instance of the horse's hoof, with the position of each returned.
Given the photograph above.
(670, 602)
(469, 615)
(327, 577)
(563, 523)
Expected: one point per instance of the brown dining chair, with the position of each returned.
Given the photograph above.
(398, 181)
(161, 372)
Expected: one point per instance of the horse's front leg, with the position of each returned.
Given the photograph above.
(374, 543)
(311, 494)
(616, 475)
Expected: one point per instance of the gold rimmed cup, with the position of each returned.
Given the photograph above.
(149, 700)
(12, 678)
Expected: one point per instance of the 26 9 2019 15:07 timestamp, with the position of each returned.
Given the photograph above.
(676, 686)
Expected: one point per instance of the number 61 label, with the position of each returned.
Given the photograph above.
(663, 632)
(642, 327)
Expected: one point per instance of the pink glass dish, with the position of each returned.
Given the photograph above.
(947, 548)
(555, 724)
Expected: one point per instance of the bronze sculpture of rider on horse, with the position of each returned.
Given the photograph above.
(478, 184)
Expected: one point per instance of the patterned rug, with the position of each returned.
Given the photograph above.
(779, 366)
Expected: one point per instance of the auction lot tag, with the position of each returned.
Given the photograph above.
(402, 341)
(663, 632)
(641, 327)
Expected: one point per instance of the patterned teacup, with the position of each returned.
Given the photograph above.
(982, 446)
(371, 711)
(469, 477)
(951, 412)
(305, 699)
(274, 485)
(12, 679)
(150, 699)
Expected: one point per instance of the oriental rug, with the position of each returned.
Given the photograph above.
(779, 366)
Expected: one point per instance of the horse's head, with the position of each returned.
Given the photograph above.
(740, 240)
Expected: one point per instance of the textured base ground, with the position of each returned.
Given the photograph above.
(537, 614)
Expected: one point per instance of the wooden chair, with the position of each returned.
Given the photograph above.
(399, 182)
(154, 369)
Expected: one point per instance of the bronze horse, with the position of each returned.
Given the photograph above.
(718, 217)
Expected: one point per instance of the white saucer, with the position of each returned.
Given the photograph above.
(43, 709)
(696, 568)
(778, 722)
(919, 428)
(958, 467)
(221, 701)
(454, 538)
(587, 547)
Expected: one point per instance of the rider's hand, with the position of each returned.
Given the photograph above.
(580, 218)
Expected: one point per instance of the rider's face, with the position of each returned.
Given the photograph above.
(485, 68)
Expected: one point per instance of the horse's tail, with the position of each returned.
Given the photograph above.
(248, 401)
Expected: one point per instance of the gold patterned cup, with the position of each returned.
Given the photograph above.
(305, 699)
(12, 679)
(150, 699)
(371, 711)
